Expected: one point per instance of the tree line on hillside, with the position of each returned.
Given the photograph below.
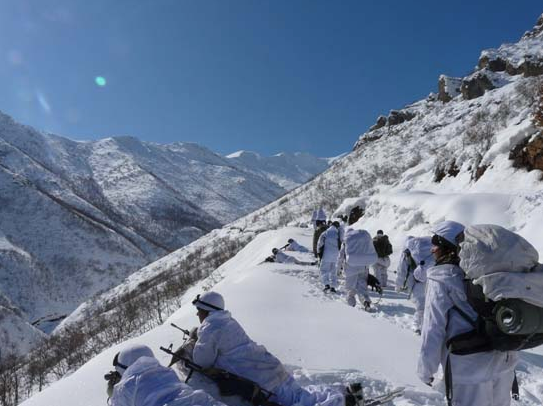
(113, 322)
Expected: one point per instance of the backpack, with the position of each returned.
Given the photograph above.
(320, 253)
(388, 249)
(316, 235)
(382, 246)
(359, 249)
(504, 285)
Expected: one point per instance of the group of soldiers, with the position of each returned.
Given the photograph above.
(343, 248)
(428, 270)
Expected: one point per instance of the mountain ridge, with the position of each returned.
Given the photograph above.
(99, 210)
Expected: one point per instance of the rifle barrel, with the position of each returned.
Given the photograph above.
(187, 332)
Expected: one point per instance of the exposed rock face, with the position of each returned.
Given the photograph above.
(537, 30)
(524, 58)
(395, 117)
(399, 116)
(449, 87)
(480, 171)
(495, 65)
(381, 122)
(475, 85)
(529, 154)
(532, 66)
(440, 172)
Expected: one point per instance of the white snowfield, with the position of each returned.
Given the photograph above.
(321, 339)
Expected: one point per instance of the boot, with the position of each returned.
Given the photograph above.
(326, 288)
(333, 290)
(367, 305)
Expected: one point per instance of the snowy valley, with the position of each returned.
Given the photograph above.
(76, 218)
(469, 153)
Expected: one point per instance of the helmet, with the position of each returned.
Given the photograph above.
(129, 355)
(290, 240)
(210, 301)
(447, 232)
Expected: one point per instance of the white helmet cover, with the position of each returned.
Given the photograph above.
(449, 230)
(129, 355)
(210, 301)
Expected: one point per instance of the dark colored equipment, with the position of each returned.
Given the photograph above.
(229, 384)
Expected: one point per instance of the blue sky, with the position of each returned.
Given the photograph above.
(258, 75)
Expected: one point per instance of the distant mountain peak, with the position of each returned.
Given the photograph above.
(243, 153)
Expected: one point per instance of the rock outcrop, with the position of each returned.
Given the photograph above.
(523, 58)
(381, 122)
(399, 116)
(529, 153)
(476, 85)
(449, 88)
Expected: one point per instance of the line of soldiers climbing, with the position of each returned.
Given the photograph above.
(472, 320)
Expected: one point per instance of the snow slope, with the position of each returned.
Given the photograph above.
(321, 339)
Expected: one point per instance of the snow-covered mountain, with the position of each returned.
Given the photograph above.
(287, 170)
(77, 217)
(470, 153)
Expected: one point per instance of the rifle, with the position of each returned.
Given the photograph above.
(410, 268)
(185, 332)
(229, 384)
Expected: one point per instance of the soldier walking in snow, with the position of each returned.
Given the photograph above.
(140, 380)
(411, 274)
(384, 250)
(328, 249)
(318, 216)
(320, 228)
(355, 257)
(482, 379)
(222, 343)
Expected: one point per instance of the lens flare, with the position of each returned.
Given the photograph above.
(42, 100)
(100, 81)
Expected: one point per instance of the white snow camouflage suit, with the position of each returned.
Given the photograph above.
(295, 246)
(330, 242)
(357, 254)
(414, 280)
(482, 379)
(283, 258)
(147, 383)
(222, 343)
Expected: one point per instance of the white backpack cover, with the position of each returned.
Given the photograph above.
(359, 250)
(503, 263)
(421, 250)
